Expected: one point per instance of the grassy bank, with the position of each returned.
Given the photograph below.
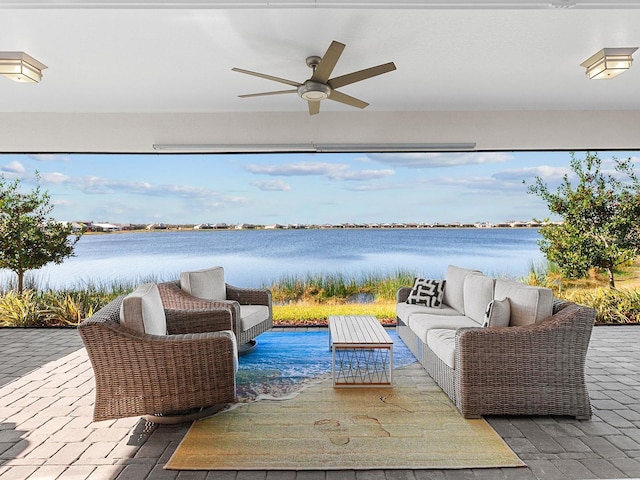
(310, 299)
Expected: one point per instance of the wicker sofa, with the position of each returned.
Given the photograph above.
(532, 366)
(190, 364)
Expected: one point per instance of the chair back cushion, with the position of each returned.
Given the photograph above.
(207, 284)
(142, 310)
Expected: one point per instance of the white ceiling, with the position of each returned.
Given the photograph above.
(125, 75)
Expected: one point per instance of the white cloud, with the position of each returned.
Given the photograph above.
(94, 185)
(362, 175)
(273, 186)
(546, 172)
(13, 167)
(49, 157)
(299, 169)
(332, 171)
(439, 159)
(55, 178)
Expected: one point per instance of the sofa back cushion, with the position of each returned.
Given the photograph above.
(207, 284)
(477, 293)
(528, 304)
(142, 310)
(454, 287)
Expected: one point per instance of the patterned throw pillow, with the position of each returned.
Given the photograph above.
(498, 313)
(427, 292)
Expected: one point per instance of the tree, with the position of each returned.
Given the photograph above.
(28, 238)
(601, 218)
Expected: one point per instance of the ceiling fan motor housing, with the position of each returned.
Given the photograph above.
(314, 91)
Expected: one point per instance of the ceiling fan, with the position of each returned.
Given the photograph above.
(320, 86)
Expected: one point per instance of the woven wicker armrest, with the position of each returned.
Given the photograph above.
(174, 298)
(402, 294)
(249, 296)
(188, 314)
(204, 320)
(139, 374)
(530, 370)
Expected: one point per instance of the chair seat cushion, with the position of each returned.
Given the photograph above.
(252, 315)
(142, 310)
(442, 342)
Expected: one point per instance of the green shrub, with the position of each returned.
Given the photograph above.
(21, 309)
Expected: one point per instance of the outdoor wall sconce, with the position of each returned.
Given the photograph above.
(609, 63)
(20, 67)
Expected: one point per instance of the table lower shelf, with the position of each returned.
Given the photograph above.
(362, 366)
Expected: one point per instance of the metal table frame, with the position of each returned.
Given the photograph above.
(361, 352)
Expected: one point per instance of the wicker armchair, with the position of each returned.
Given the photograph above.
(231, 313)
(192, 367)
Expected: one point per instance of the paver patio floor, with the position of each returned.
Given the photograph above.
(46, 432)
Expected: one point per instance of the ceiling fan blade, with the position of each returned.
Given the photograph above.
(360, 75)
(268, 77)
(328, 62)
(314, 107)
(264, 94)
(344, 98)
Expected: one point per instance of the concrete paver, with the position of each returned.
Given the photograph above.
(46, 431)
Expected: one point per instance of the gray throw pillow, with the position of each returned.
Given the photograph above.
(498, 313)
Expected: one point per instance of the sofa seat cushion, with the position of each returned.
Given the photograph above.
(421, 324)
(252, 315)
(207, 284)
(405, 310)
(454, 287)
(528, 304)
(477, 293)
(142, 310)
(442, 342)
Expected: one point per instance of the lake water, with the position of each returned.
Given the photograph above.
(253, 258)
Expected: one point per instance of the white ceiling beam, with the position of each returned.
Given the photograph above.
(351, 4)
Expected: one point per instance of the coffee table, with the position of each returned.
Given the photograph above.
(362, 352)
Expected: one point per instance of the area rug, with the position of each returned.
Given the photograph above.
(413, 425)
(286, 361)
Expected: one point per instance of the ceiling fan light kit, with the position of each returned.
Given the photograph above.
(314, 91)
(320, 87)
(20, 67)
(608, 63)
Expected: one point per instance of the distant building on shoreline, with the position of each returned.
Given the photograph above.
(106, 227)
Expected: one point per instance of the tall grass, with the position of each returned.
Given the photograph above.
(612, 305)
(305, 299)
(318, 314)
(338, 287)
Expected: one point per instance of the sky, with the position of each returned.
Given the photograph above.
(306, 188)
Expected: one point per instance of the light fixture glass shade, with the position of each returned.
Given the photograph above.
(20, 67)
(609, 63)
